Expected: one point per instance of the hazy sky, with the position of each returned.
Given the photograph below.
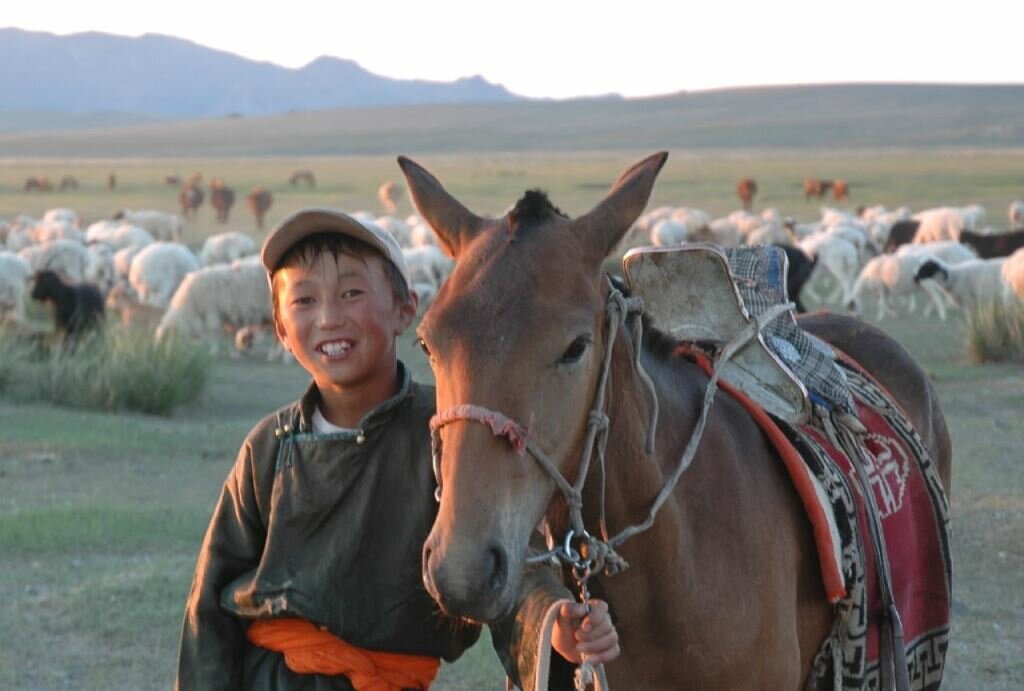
(559, 48)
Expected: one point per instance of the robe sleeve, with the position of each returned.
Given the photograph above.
(212, 639)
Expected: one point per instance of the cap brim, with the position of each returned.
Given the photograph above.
(310, 221)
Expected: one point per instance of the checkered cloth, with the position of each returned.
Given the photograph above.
(759, 272)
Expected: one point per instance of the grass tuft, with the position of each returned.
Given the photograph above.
(118, 369)
(995, 333)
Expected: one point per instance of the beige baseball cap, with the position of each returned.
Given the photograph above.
(322, 220)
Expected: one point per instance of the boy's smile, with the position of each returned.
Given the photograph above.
(340, 319)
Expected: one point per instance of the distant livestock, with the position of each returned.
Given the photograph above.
(190, 198)
(15, 272)
(225, 248)
(160, 224)
(173, 180)
(840, 190)
(994, 245)
(38, 183)
(68, 182)
(746, 189)
(222, 198)
(1016, 214)
(389, 194)
(78, 307)
(111, 181)
(813, 187)
(259, 201)
(157, 271)
(218, 297)
(304, 177)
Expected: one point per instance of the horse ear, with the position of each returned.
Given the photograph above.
(453, 223)
(607, 222)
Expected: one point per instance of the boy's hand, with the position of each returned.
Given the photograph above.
(578, 635)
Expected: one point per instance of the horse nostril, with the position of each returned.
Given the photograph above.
(499, 568)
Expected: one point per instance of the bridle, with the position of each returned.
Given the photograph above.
(597, 553)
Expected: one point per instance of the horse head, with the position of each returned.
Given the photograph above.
(516, 338)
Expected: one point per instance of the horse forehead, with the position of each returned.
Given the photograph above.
(514, 289)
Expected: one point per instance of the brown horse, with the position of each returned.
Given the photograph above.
(724, 590)
(814, 187)
(389, 194)
(746, 189)
(191, 198)
(840, 190)
(222, 198)
(259, 201)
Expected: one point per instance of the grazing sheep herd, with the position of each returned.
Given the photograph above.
(944, 254)
(136, 265)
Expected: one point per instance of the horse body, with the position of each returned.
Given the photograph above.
(724, 590)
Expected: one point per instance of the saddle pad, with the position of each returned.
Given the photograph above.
(915, 524)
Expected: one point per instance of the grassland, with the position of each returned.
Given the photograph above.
(101, 516)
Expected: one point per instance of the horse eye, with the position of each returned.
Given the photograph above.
(575, 350)
(423, 346)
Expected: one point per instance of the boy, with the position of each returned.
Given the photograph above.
(309, 575)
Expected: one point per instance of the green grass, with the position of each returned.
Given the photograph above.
(114, 369)
(102, 515)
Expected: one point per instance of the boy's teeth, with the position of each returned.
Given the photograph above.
(334, 348)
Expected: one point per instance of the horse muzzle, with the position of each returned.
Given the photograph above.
(475, 583)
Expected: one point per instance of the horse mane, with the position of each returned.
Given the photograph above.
(534, 207)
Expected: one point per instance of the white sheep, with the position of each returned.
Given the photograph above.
(943, 223)
(1016, 214)
(1013, 273)
(123, 261)
(427, 265)
(972, 284)
(218, 297)
(160, 224)
(56, 229)
(157, 271)
(668, 233)
(693, 219)
(769, 234)
(62, 215)
(66, 257)
(100, 269)
(225, 248)
(15, 272)
(837, 256)
(398, 229)
(118, 234)
(889, 276)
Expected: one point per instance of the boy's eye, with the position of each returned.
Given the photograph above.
(351, 293)
(303, 300)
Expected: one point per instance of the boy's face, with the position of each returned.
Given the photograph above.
(340, 320)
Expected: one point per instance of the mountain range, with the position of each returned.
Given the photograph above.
(156, 76)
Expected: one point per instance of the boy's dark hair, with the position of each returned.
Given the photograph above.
(312, 247)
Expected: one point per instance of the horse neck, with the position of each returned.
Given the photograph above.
(633, 477)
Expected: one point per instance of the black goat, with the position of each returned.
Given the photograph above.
(901, 233)
(78, 308)
(800, 268)
(994, 245)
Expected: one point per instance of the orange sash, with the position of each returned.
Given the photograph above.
(309, 650)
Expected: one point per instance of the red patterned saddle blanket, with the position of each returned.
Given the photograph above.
(914, 518)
